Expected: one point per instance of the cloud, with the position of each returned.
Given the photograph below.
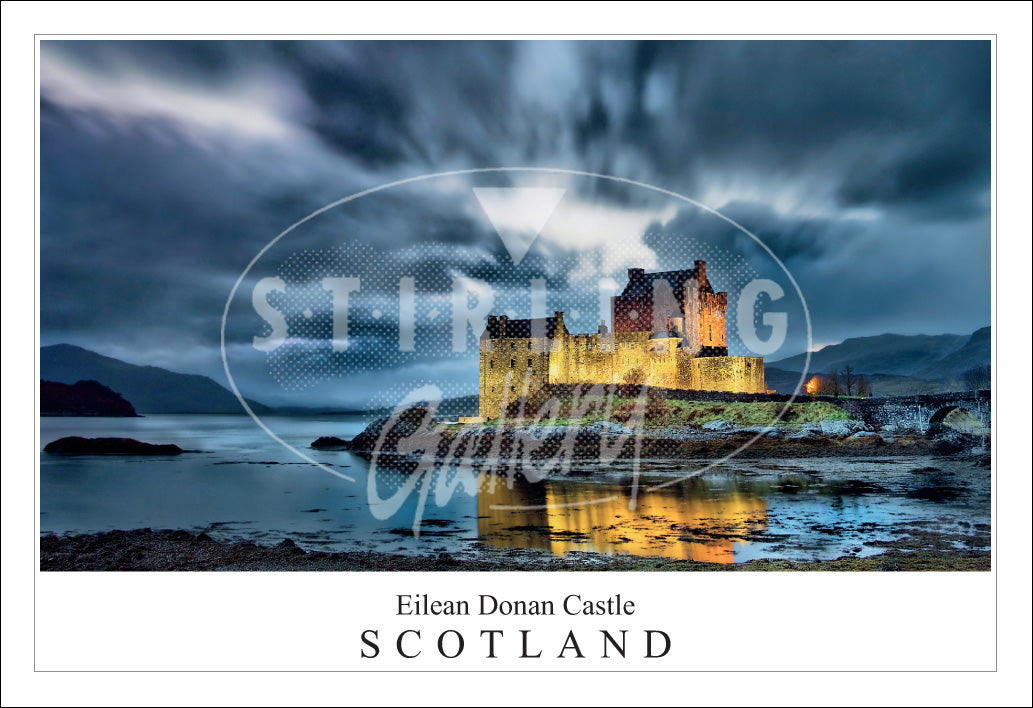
(166, 166)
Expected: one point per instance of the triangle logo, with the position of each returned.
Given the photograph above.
(519, 214)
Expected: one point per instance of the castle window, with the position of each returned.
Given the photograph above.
(493, 389)
(512, 388)
(530, 363)
(491, 364)
(528, 343)
(512, 363)
(512, 345)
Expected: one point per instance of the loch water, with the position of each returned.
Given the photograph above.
(240, 483)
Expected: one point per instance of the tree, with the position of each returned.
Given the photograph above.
(830, 383)
(977, 377)
(848, 379)
(864, 387)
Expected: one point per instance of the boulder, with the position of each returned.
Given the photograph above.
(864, 434)
(719, 424)
(768, 431)
(605, 427)
(541, 432)
(841, 428)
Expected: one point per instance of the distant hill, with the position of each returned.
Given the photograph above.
(782, 381)
(461, 405)
(83, 398)
(149, 388)
(449, 407)
(900, 354)
(975, 352)
(896, 364)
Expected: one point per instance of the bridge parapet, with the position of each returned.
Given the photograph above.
(922, 413)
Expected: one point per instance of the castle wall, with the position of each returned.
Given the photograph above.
(512, 368)
(733, 374)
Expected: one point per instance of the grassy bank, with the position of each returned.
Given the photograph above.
(658, 412)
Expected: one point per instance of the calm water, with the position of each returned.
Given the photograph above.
(242, 484)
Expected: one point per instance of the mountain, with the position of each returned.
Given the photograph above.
(149, 388)
(82, 398)
(975, 352)
(900, 354)
(896, 364)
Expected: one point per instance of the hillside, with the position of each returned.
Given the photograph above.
(975, 352)
(896, 364)
(783, 381)
(903, 355)
(149, 388)
(83, 398)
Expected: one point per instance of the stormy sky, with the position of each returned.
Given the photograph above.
(165, 166)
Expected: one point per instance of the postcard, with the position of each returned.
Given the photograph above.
(527, 346)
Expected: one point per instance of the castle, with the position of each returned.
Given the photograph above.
(668, 332)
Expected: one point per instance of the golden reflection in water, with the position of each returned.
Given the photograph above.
(681, 522)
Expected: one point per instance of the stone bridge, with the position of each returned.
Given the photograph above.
(924, 413)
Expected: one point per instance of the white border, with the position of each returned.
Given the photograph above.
(1012, 345)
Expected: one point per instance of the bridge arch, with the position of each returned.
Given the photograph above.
(936, 421)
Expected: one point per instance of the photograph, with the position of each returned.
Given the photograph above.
(515, 305)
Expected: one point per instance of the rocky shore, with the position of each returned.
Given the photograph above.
(164, 550)
(412, 436)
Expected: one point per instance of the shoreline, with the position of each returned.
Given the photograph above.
(171, 550)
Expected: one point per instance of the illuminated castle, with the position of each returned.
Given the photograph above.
(668, 332)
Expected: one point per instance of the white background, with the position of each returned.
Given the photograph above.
(977, 622)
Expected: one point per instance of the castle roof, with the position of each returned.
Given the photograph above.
(641, 283)
(503, 327)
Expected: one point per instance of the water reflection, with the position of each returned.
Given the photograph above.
(244, 485)
(690, 521)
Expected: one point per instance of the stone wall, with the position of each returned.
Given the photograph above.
(512, 368)
(733, 374)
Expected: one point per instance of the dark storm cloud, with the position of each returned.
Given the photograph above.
(166, 166)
